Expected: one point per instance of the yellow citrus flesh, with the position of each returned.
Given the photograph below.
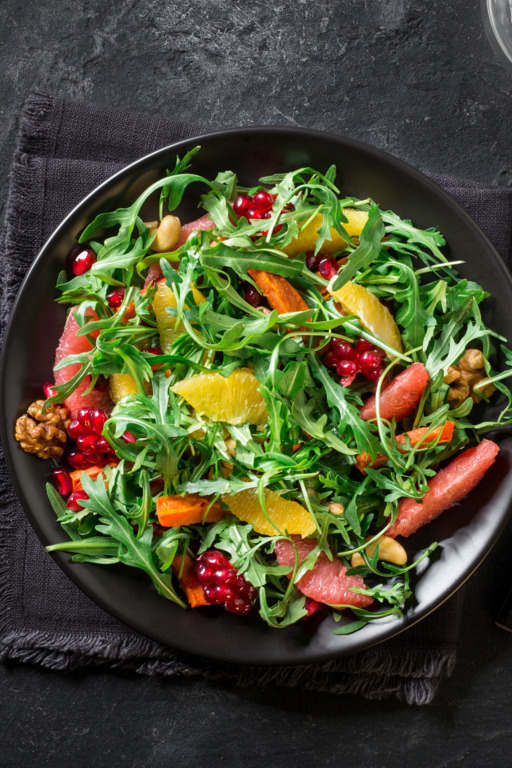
(122, 384)
(355, 299)
(306, 239)
(235, 399)
(288, 516)
(164, 297)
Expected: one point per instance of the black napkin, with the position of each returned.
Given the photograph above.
(64, 150)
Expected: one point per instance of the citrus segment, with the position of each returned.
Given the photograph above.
(235, 399)
(287, 515)
(164, 298)
(356, 300)
(400, 397)
(306, 239)
(120, 385)
(327, 581)
(449, 486)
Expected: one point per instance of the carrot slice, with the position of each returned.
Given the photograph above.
(174, 511)
(94, 472)
(444, 433)
(192, 588)
(281, 294)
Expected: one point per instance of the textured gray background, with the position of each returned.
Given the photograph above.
(415, 77)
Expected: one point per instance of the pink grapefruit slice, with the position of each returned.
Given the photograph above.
(400, 397)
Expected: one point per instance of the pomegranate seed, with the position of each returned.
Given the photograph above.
(155, 485)
(343, 350)
(103, 445)
(84, 417)
(62, 480)
(204, 573)
(312, 261)
(346, 368)
(369, 359)
(267, 215)
(93, 458)
(77, 459)
(328, 268)
(262, 200)
(248, 591)
(101, 383)
(48, 389)
(373, 374)
(83, 261)
(87, 444)
(75, 429)
(223, 576)
(211, 594)
(312, 607)
(330, 359)
(158, 530)
(240, 605)
(75, 497)
(115, 298)
(225, 593)
(254, 213)
(363, 345)
(252, 296)
(153, 350)
(242, 204)
(215, 559)
(98, 419)
(128, 437)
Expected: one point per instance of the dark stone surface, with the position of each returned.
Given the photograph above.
(416, 77)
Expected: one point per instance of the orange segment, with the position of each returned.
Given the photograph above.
(306, 239)
(356, 300)
(287, 515)
(235, 399)
(164, 298)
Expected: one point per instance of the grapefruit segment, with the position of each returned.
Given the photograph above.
(327, 581)
(71, 344)
(400, 397)
(449, 486)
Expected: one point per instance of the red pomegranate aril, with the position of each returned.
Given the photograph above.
(242, 204)
(248, 591)
(225, 593)
(75, 497)
(77, 459)
(240, 605)
(158, 530)
(87, 443)
(97, 420)
(369, 359)
(115, 298)
(374, 374)
(363, 345)
(254, 213)
(312, 607)
(223, 576)
(330, 359)
(346, 368)
(211, 593)
(267, 215)
(262, 200)
(215, 559)
(75, 429)
(84, 417)
(204, 573)
(153, 350)
(95, 457)
(312, 261)
(103, 445)
(83, 261)
(328, 268)
(252, 296)
(48, 389)
(128, 437)
(62, 481)
(343, 350)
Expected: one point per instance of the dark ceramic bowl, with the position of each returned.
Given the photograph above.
(466, 533)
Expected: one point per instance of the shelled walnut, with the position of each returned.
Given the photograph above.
(465, 375)
(44, 434)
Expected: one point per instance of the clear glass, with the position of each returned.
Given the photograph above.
(498, 25)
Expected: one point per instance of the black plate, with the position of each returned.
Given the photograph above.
(466, 532)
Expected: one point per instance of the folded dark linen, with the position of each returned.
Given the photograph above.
(64, 150)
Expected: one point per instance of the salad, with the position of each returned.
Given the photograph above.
(257, 408)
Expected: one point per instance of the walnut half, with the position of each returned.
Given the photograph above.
(43, 433)
(465, 375)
